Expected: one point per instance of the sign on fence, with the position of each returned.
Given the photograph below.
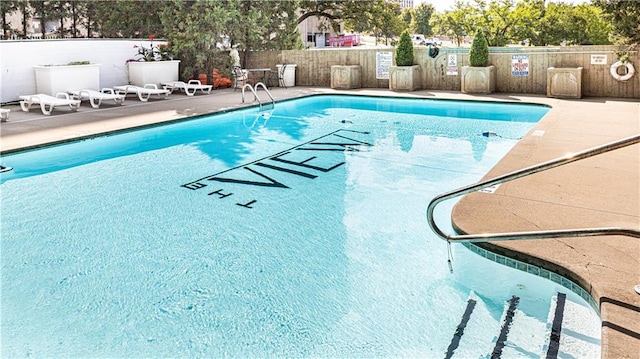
(599, 59)
(520, 65)
(383, 61)
(452, 65)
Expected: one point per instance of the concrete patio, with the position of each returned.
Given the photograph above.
(603, 191)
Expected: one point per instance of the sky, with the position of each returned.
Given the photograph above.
(444, 5)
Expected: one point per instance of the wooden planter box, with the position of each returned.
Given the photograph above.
(153, 72)
(564, 82)
(346, 77)
(53, 79)
(479, 80)
(404, 78)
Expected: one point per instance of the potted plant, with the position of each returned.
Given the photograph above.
(153, 65)
(76, 75)
(479, 77)
(404, 76)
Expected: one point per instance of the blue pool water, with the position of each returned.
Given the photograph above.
(299, 233)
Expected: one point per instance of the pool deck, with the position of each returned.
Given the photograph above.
(602, 191)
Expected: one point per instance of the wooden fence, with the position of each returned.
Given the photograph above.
(314, 67)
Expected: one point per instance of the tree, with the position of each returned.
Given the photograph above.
(529, 15)
(25, 9)
(404, 51)
(363, 22)
(422, 19)
(89, 15)
(128, 19)
(498, 19)
(194, 30)
(407, 15)
(7, 8)
(76, 9)
(457, 23)
(387, 22)
(281, 32)
(623, 16)
(587, 27)
(479, 52)
(42, 10)
(58, 9)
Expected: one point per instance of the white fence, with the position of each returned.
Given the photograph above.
(18, 58)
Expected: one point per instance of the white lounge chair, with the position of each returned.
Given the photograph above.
(4, 114)
(95, 97)
(48, 103)
(189, 88)
(143, 92)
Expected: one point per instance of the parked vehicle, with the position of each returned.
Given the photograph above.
(421, 40)
(433, 41)
(418, 39)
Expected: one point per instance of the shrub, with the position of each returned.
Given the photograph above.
(479, 52)
(404, 51)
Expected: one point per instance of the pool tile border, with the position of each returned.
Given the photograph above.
(535, 270)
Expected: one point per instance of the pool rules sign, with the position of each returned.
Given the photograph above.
(520, 65)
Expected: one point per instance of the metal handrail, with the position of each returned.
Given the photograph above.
(254, 90)
(506, 236)
(255, 95)
(260, 84)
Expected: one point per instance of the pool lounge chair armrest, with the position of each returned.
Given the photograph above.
(64, 95)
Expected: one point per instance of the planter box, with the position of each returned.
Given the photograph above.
(480, 80)
(564, 82)
(53, 79)
(346, 77)
(153, 72)
(404, 78)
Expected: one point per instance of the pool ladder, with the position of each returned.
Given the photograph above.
(254, 90)
(507, 236)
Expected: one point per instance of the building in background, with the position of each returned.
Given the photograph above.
(405, 3)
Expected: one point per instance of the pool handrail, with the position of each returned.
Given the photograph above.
(540, 234)
(254, 90)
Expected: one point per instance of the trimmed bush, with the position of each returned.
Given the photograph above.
(404, 51)
(479, 52)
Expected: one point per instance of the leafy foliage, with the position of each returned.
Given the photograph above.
(404, 51)
(528, 21)
(479, 52)
(624, 16)
(422, 19)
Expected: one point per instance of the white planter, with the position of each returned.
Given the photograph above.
(404, 78)
(289, 74)
(478, 80)
(53, 79)
(564, 82)
(346, 76)
(153, 72)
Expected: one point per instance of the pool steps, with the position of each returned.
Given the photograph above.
(518, 334)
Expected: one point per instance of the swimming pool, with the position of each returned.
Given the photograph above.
(297, 233)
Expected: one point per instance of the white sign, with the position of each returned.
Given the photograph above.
(598, 59)
(383, 61)
(452, 65)
(520, 65)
